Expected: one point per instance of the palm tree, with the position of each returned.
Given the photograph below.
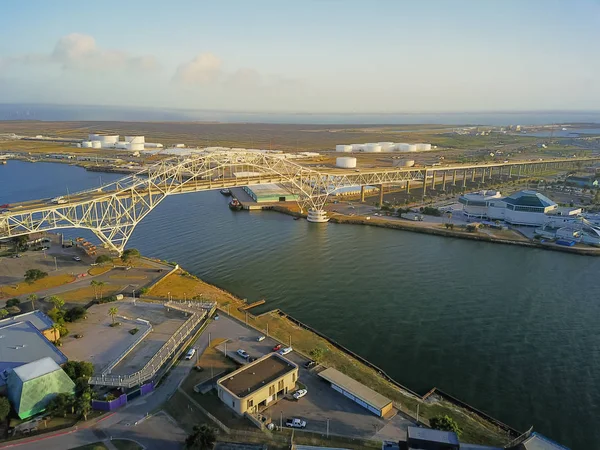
(56, 330)
(57, 302)
(94, 283)
(112, 312)
(202, 438)
(32, 298)
(100, 285)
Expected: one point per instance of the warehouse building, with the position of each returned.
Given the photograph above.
(265, 193)
(426, 439)
(258, 384)
(357, 392)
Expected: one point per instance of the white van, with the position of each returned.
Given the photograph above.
(190, 354)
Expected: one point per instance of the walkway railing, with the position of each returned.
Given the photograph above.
(198, 312)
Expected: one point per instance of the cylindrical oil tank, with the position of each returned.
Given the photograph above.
(96, 144)
(93, 137)
(135, 139)
(347, 162)
(423, 147)
(109, 139)
(358, 147)
(372, 148)
(86, 144)
(402, 147)
(386, 146)
(343, 148)
(153, 145)
(135, 146)
(404, 163)
(412, 147)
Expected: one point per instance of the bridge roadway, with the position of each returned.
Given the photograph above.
(417, 173)
(112, 211)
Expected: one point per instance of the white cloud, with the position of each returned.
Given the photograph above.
(203, 69)
(77, 51)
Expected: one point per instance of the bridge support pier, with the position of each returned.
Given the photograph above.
(510, 171)
(408, 187)
(317, 216)
(454, 178)
(464, 184)
(483, 176)
(472, 176)
(433, 180)
(362, 194)
(424, 184)
(444, 182)
(380, 195)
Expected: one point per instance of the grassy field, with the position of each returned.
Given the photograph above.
(474, 429)
(86, 294)
(99, 270)
(25, 288)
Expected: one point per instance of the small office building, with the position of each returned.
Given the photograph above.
(426, 439)
(258, 384)
(357, 392)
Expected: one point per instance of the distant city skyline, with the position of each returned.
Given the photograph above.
(328, 56)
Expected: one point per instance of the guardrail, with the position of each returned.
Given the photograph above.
(198, 312)
(126, 352)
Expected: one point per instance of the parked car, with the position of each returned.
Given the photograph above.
(76, 258)
(260, 338)
(310, 364)
(190, 354)
(285, 351)
(277, 347)
(295, 423)
(244, 354)
(299, 393)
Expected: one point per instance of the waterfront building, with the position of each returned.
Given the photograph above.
(357, 392)
(262, 193)
(529, 208)
(258, 384)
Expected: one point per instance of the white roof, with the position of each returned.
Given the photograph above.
(36, 369)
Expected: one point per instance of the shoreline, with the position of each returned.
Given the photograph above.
(382, 223)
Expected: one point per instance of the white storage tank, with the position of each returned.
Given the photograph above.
(154, 145)
(135, 139)
(386, 146)
(358, 147)
(179, 146)
(135, 146)
(86, 144)
(411, 148)
(343, 148)
(423, 147)
(109, 139)
(96, 144)
(346, 162)
(93, 137)
(372, 148)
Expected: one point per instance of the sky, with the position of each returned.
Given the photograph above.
(309, 56)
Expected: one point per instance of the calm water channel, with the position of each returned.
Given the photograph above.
(513, 331)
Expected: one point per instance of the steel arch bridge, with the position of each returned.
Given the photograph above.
(112, 211)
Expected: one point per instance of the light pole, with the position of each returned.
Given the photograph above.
(327, 428)
(418, 413)
(290, 341)
(281, 420)
(55, 264)
(267, 329)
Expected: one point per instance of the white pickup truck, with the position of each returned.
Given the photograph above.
(295, 423)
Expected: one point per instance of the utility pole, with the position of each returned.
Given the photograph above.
(290, 341)
(267, 329)
(281, 420)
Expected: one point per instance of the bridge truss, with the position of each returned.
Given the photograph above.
(112, 211)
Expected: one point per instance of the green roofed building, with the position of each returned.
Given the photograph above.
(31, 386)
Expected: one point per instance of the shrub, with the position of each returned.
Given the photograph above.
(74, 314)
(32, 275)
(445, 423)
(13, 302)
(143, 291)
(103, 259)
(134, 331)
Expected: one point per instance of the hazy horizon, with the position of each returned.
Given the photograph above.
(314, 57)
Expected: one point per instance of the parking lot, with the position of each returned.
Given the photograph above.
(321, 404)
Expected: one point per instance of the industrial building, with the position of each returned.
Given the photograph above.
(263, 193)
(258, 384)
(32, 386)
(359, 393)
